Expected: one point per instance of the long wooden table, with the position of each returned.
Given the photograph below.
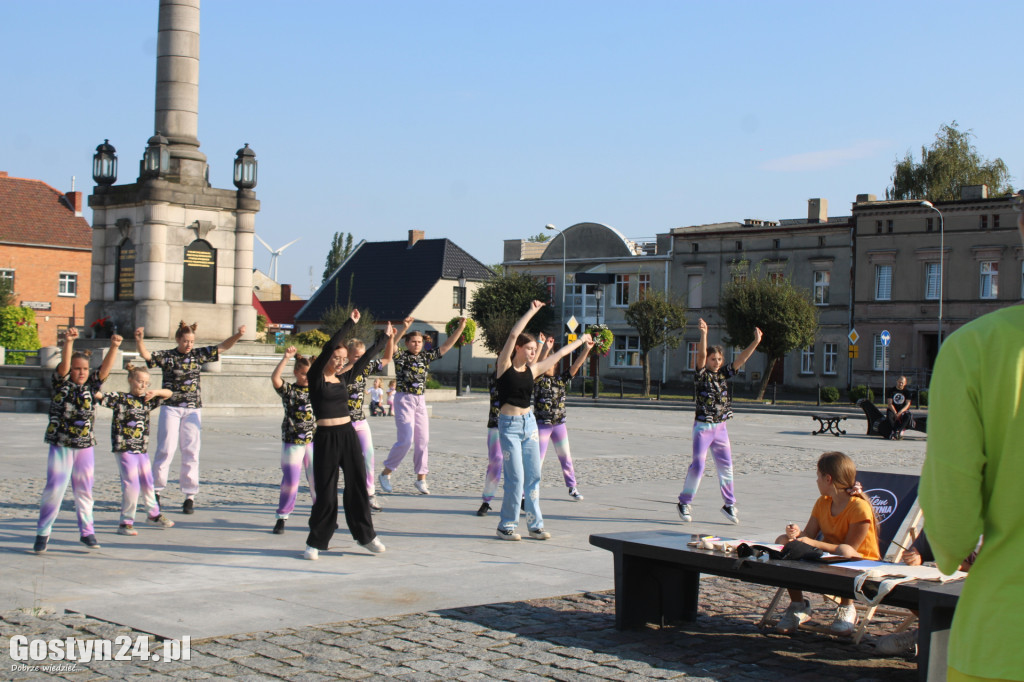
(657, 580)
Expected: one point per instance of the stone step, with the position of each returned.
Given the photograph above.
(23, 392)
(15, 381)
(8, 404)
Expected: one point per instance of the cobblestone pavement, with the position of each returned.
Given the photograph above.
(567, 638)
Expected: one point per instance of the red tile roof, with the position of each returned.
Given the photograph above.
(32, 212)
(278, 312)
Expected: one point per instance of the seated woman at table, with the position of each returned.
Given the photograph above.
(846, 522)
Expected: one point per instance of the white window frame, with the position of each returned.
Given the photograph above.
(822, 282)
(628, 354)
(932, 281)
(807, 360)
(691, 355)
(67, 284)
(8, 275)
(883, 285)
(830, 355)
(988, 285)
(580, 301)
(643, 285)
(877, 354)
(736, 352)
(621, 299)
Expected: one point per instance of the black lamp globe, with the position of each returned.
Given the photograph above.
(245, 168)
(157, 158)
(104, 164)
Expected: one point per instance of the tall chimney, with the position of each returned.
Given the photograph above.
(177, 88)
(817, 210)
(286, 292)
(415, 236)
(74, 200)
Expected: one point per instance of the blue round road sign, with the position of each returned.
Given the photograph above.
(886, 337)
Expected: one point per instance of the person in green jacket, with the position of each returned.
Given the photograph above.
(970, 486)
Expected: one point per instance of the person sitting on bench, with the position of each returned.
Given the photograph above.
(898, 410)
(846, 521)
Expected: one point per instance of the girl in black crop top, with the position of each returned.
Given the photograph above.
(517, 368)
(336, 445)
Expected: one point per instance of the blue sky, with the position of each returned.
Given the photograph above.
(482, 121)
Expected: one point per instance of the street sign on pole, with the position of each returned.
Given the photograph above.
(572, 324)
(885, 337)
(853, 337)
(572, 337)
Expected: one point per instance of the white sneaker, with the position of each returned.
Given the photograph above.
(845, 620)
(574, 493)
(731, 512)
(540, 534)
(375, 546)
(507, 534)
(685, 512)
(374, 506)
(385, 483)
(796, 614)
(898, 644)
(421, 485)
(311, 553)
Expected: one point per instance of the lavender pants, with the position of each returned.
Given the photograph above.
(557, 436)
(413, 431)
(716, 438)
(136, 480)
(178, 425)
(65, 464)
(362, 428)
(295, 458)
(494, 464)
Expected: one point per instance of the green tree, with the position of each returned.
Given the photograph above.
(785, 313)
(335, 317)
(18, 330)
(658, 321)
(497, 269)
(341, 248)
(6, 293)
(539, 237)
(950, 164)
(500, 301)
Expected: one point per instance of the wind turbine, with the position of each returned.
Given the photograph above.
(274, 255)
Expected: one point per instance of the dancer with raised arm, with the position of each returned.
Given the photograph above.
(296, 434)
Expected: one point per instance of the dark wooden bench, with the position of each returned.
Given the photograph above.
(657, 580)
(829, 423)
(878, 424)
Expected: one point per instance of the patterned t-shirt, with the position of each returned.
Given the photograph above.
(357, 390)
(73, 412)
(714, 402)
(129, 427)
(549, 398)
(299, 423)
(492, 414)
(181, 373)
(411, 369)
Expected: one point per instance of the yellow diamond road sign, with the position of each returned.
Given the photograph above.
(853, 336)
(572, 324)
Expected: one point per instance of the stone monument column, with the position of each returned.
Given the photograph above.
(177, 88)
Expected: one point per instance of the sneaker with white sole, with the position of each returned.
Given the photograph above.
(575, 494)
(540, 534)
(508, 534)
(160, 521)
(374, 506)
(845, 621)
(898, 644)
(311, 553)
(731, 512)
(375, 546)
(685, 512)
(90, 541)
(385, 483)
(421, 486)
(795, 615)
(126, 529)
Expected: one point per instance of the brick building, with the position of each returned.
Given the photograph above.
(45, 252)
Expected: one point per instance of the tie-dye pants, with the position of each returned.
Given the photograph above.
(178, 425)
(136, 481)
(521, 459)
(65, 464)
(362, 427)
(716, 438)
(494, 463)
(294, 460)
(559, 437)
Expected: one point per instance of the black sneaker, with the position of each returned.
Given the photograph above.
(40, 545)
(279, 527)
(189, 506)
(90, 541)
(484, 508)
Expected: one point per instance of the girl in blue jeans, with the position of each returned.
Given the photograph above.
(517, 429)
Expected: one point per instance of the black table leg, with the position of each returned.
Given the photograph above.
(932, 616)
(652, 591)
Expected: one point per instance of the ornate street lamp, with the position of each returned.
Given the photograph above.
(245, 168)
(598, 295)
(104, 164)
(462, 307)
(156, 160)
